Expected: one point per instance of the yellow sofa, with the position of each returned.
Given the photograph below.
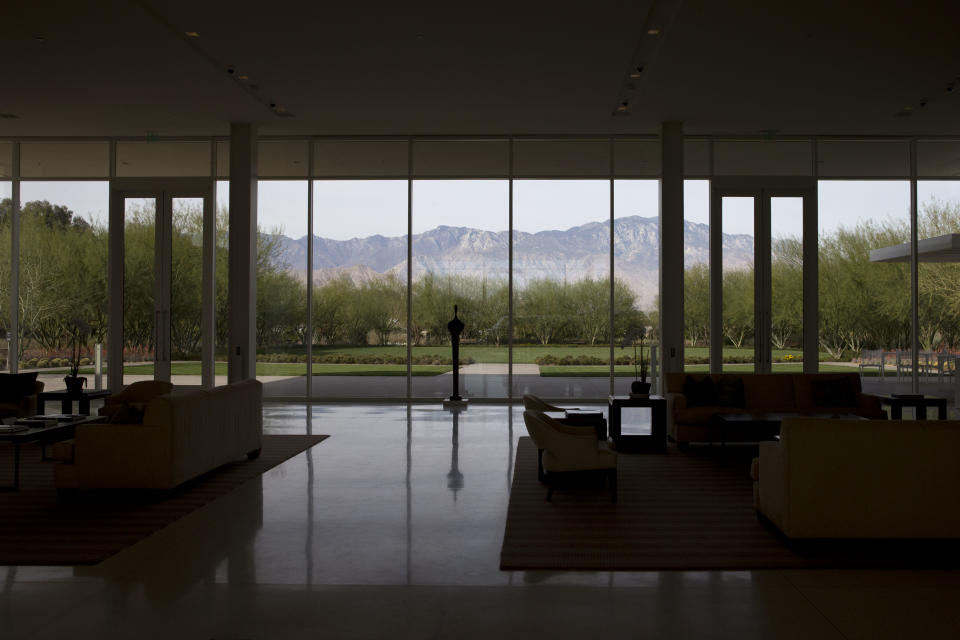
(861, 479)
(182, 436)
(764, 393)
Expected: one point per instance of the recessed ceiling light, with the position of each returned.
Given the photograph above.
(243, 77)
(192, 34)
(653, 32)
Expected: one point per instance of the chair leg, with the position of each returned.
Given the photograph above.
(541, 476)
(549, 492)
(612, 480)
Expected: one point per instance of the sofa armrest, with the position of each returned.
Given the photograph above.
(772, 482)
(675, 402)
(122, 456)
(869, 401)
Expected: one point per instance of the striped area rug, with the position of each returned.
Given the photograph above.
(37, 529)
(674, 511)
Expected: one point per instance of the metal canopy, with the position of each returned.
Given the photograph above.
(944, 248)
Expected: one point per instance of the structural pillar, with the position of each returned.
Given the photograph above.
(243, 252)
(671, 248)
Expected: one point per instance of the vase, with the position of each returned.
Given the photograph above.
(74, 384)
(639, 388)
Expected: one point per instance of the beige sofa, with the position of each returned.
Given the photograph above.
(813, 393)
(861, 479)
(182, 436)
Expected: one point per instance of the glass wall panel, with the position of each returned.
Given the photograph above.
(139, 288)
(738, 286)
(360, 288)
(786, 284)
(63, 278)
(461, 158)
(696, 279)
(163, 159)
(763, 158)
(222, 278)
(460, 257)
(939, 300)
(186, 291)
(863, 158)
(864, 306)
(65, 159)
(282, 158)
(561, 158)
(561, 288)
(6, 159)
(636, 255)
(6, 225)
(336, 158)
(282, 287)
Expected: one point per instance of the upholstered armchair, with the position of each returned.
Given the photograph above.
(566, 450)
(534, 403)
(18, 394)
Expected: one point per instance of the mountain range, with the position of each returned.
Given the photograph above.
(570, 254)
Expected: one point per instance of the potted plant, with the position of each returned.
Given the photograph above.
(79, 332)
(640, 386)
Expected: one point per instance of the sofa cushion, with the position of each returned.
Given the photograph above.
(833, 393)
(701, 415)
(61, 451)
(769, 392)
(730, 392)
(700, 393)
(128, 413)
(14, 386)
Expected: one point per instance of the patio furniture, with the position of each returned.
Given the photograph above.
(871, 359)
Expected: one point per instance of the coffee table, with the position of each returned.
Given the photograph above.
(66, 399)
(63, 430)
(755, 427)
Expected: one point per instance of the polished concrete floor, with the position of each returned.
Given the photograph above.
(391, 528)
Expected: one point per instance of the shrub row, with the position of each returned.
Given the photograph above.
(347, 358)
(628, 360)
(43, 363)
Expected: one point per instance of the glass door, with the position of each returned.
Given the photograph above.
(160, 266)
(760, 314)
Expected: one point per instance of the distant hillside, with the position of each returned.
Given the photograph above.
(572, 254)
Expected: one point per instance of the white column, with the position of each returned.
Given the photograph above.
(671, 247)
(243, 251)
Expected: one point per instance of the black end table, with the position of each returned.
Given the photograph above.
(897, 403)
(62, 430)
(656, 441)
(66, 399)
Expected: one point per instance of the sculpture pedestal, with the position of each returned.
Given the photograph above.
(455, 405)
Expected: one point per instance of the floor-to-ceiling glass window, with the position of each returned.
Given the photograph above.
(6, 228)
(281, 317)
(737, 216)
(460, 257)
(561, 290)
(696, 279)
(939, 287)
(864, 306)
(636, 293)
(360, 288)
(222, 279)
(63, 278)
(786, 284)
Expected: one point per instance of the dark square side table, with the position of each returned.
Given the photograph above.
(66, 400)
(656, 441)
(897, 403)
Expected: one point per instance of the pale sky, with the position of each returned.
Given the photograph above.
(350, 208)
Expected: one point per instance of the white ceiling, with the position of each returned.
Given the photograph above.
(524, 67)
